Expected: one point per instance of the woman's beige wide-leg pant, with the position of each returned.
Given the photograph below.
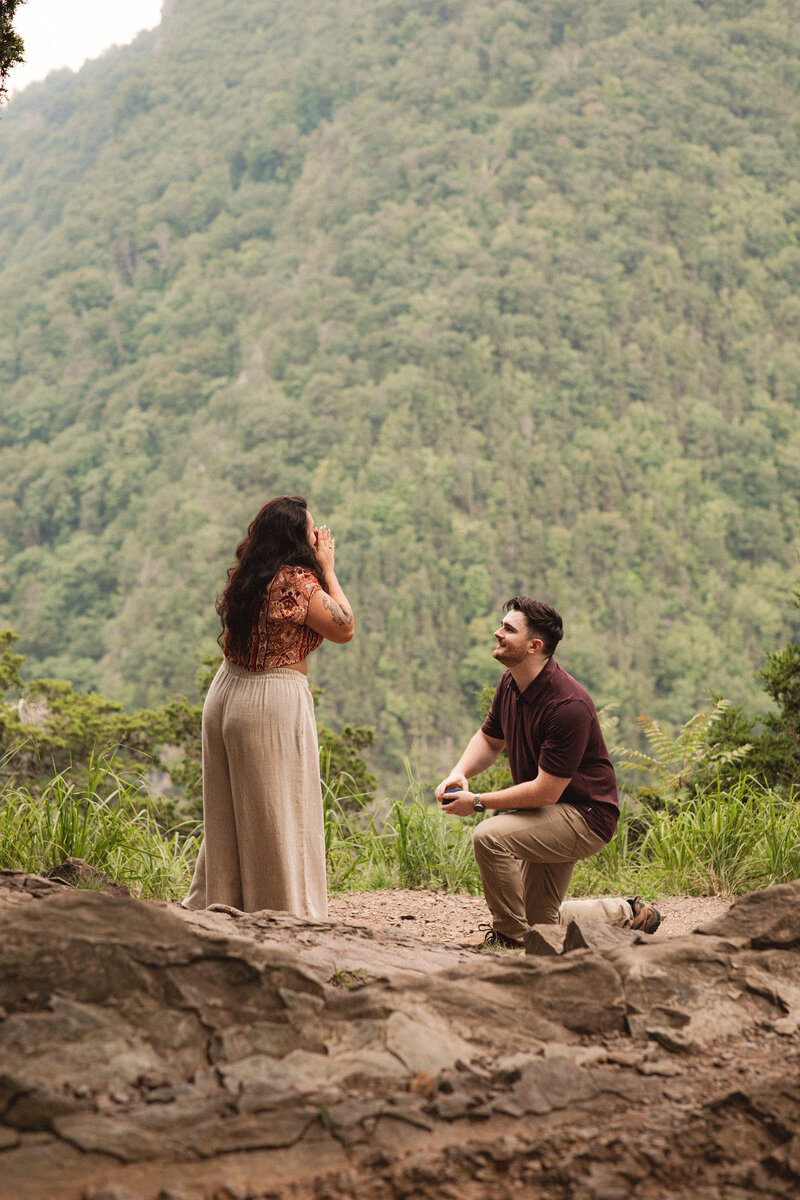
(264, 844)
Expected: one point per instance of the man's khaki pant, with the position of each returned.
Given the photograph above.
(526, 859)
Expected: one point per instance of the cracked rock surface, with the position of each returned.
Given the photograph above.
(148, 1053)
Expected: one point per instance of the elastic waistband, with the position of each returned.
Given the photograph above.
(231, 668)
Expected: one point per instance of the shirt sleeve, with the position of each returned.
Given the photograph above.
(296, 586)
(566, 739)
(491, 726)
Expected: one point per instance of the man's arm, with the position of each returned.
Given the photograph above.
(533, 793)
(480, 753)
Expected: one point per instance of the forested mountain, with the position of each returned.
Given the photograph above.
(509, 289)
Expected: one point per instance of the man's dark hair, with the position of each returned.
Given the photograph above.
(543, 621)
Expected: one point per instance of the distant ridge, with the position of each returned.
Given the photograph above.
(510, 290)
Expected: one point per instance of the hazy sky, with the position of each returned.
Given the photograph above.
(64, 33)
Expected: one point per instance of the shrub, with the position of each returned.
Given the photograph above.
(104, 821)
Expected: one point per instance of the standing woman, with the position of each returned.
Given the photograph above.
(264, 844)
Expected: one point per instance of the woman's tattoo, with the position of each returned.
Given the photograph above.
(341, 616)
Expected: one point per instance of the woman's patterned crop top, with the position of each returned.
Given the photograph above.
(280, 636)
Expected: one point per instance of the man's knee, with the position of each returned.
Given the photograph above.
(484, 838)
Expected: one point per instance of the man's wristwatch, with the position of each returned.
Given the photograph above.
(476, 804)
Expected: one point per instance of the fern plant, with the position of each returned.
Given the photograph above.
(674, 763)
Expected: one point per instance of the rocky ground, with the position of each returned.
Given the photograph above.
(147, 1053)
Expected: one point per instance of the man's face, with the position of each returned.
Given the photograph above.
(514, 642)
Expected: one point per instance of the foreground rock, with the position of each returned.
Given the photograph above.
(147, 1052)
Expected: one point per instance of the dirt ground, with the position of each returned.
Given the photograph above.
(455, 918)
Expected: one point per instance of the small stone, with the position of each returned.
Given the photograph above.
(75, 871)
(404, 1107)
(349, 1113)
(423, 1084)
(509, 1068)
(674, 1040)
(474, 1068)
(508, 1107)
(166, 1095)
(637, 1025)
(659, 1067)
(623, 1058)
(583, 935)
(451, 1107)
(580, 1055)
(544, 940)
(481, 1112)
(153, 1079)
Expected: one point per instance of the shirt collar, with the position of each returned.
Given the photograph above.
(537, 685)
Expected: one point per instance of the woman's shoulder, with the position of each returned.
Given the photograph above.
(292, 572)
(294, 578)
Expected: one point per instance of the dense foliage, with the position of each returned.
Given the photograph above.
(769, 747)
(48, 729)
(11, 47)
(509, 289)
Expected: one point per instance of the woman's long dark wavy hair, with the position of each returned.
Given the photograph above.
(275, 538)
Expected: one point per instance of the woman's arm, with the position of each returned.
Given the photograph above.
(329, 612)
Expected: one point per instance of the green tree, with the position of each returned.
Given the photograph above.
(11, 46)
(769, 747)
(676, 764)
(509, 290)
(52, 728)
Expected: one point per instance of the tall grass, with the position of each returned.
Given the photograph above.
(718, 841)
(618, 866)
(105, 820)
(410, 844)
(726, 841)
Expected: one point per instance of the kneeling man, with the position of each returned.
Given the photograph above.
(563, 805)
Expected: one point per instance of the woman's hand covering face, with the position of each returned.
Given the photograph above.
(325, 547)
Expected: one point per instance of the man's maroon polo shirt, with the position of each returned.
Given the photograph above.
(553, 725)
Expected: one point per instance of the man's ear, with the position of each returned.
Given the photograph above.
(535, 646)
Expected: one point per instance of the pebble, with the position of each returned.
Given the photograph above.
(659, 1067)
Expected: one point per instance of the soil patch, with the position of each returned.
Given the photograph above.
(445, 917)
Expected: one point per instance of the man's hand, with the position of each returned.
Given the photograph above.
(454, 779)
(458, 804)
